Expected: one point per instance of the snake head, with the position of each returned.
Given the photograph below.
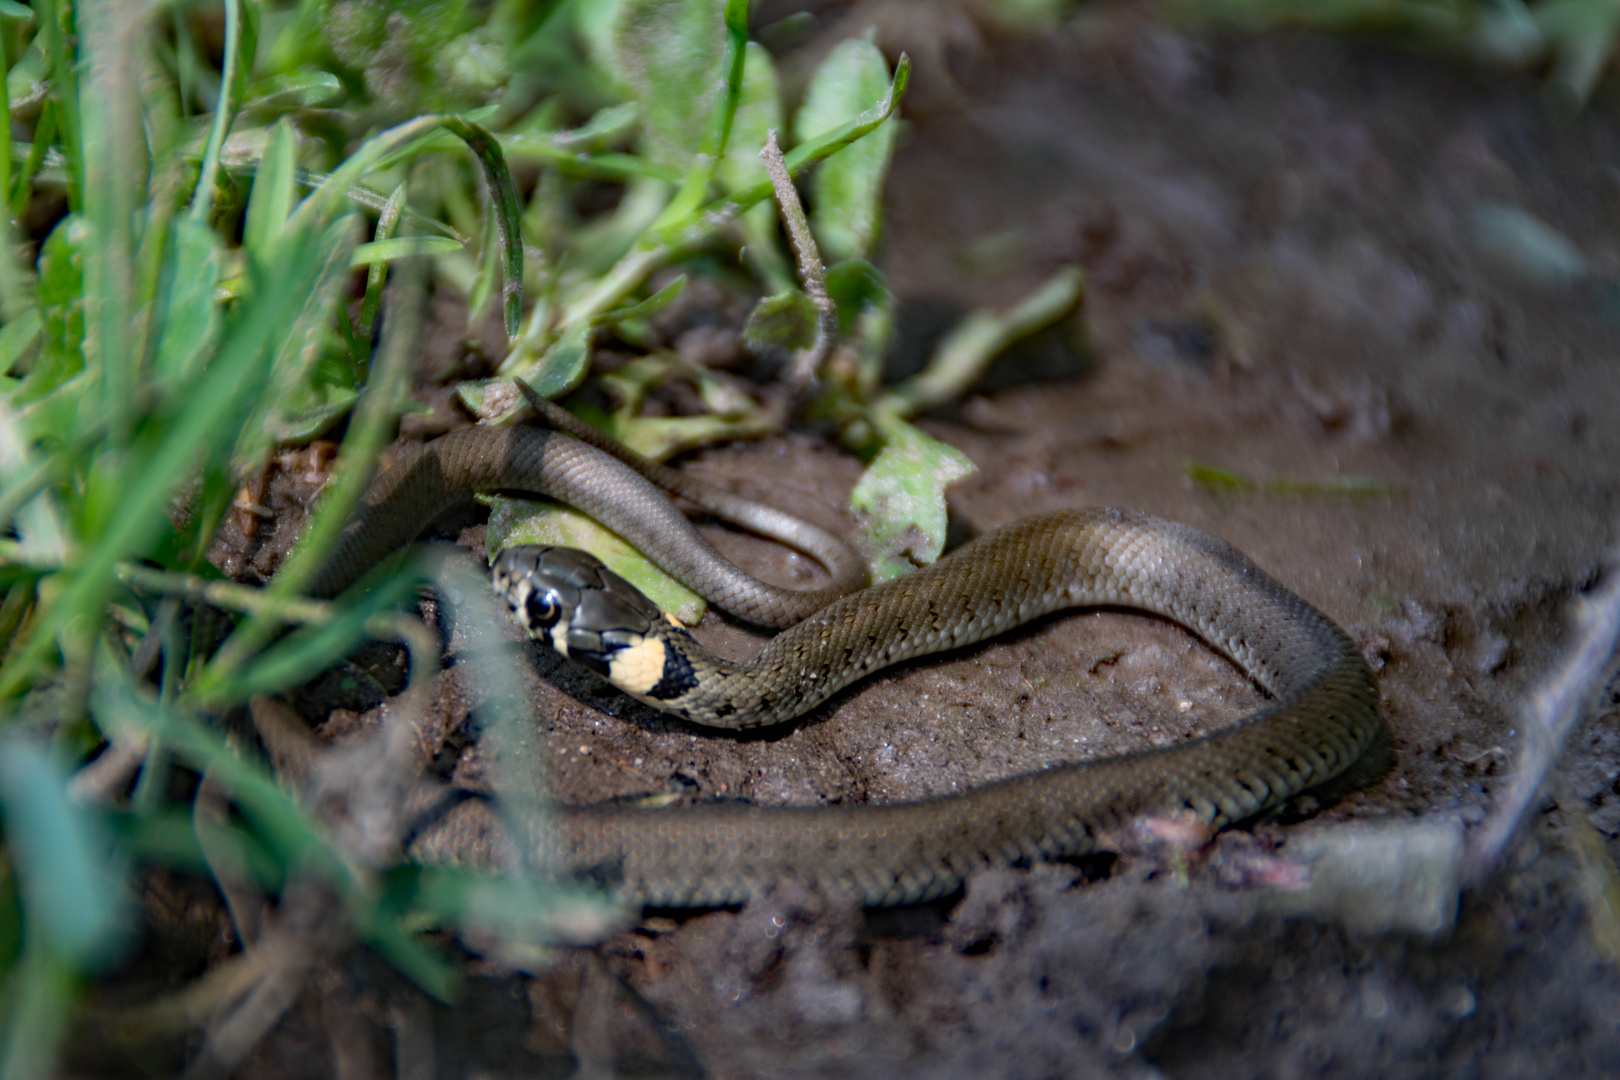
(570, 600)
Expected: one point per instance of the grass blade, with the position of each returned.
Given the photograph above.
(507, 213)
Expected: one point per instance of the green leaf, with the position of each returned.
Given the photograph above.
(271, 202)
(902, 499)
(654, 303)
(847, 194)
(1528, 246)
(659, 438)
(1216, 480)
(595, 23)
(65, 93)
(17, 337)
(667, 54)
(297, 90)
(524, 521)
(202, 200)
(26, 503)
(169, 837)
(855, 285)
(506, 215)
(515, 910)
(61, 306)
(192, 322)
(605, 127)
(563, 366)
(402, 247)
(301, 346)
(10, 9)
(785, 322)
(294, 838)
(248, 47)
(73, 890)
(309, 412)
(1581, 35)
(759, 111)
(388, 219)
(966, 352)
(135, 500)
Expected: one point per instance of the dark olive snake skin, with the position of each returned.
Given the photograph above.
(1322, 716)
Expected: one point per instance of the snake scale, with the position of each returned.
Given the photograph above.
(1322, 715)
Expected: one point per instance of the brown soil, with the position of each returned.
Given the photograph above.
(1283, 283)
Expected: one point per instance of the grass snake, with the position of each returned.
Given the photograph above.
(1321, 716)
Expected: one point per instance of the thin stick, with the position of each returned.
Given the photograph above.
(406, 629)
(1551, 710)
(808, 361)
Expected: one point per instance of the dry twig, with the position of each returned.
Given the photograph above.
(1550, 712)
(811, 272)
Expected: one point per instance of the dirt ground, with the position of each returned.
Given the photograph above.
(1285, 281)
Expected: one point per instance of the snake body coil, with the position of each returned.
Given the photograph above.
(1322, 716)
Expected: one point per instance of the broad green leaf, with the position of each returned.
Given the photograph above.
(524, 521)
(309, 412)
(191, 323)
(61, 307)
(72, 887)
(901, 498)
(563, 366)
(855, 285)
(699, 177)
(667, 54)
(659, 438)
(273, 194)
(785, 322)
(847, 193)
(27, 82)
(402, 247)
(11, 10)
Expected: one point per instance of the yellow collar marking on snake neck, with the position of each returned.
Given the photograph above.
(638, 668)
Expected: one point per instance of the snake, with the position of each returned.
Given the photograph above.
(1320, 717)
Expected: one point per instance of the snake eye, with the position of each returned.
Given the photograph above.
(540, 609)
